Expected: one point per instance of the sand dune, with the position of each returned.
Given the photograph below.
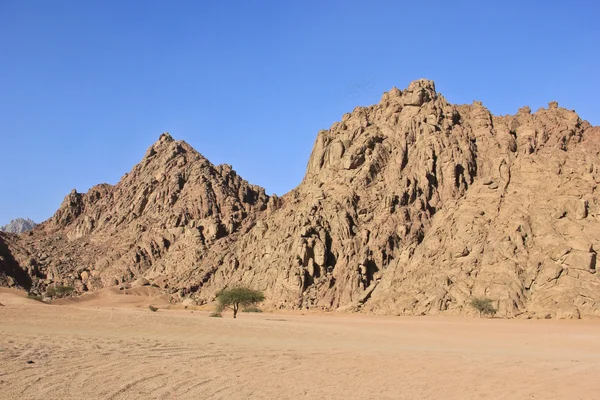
(82, 350)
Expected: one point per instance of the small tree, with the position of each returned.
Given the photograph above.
(235, 298)
(483, 306)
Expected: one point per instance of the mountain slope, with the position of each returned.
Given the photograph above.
(11, 273)
(113, 234)
(409, 206)
(526, 232)
(415, 205)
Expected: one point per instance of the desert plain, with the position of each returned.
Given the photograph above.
(109, 345)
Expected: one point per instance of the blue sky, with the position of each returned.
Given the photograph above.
(87, 86)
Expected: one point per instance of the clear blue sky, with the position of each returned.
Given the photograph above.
(87, 86)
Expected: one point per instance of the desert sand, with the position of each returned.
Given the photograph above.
(111, 346)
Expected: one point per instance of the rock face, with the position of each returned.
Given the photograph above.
(11, 273)
(411, 206)
(18, 225)
(174, 198)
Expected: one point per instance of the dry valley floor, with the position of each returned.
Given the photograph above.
(112, 347)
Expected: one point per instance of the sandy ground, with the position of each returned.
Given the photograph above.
(106, 348)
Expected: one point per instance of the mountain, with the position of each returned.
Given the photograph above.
(18, 225)
(112, 234)
(410, 206)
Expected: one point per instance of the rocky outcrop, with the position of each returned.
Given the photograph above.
(410, 206)
(18, 225)
(11, 273)
(114, 234)
(525, 234)
(415, 206)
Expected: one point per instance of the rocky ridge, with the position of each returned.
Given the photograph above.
(410, 206)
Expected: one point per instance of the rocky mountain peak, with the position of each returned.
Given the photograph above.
(166, 143)
(173, 196)
(419, 92)
(18, 225)
(165, 137)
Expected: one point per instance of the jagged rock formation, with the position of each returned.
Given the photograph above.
(410, 206)
(18, 225)
(113, 234)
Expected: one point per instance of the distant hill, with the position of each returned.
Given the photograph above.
(18, 225)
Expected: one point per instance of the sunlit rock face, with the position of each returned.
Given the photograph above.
(410, 206)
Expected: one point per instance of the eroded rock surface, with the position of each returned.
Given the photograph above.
(113, 234)
(410, 206)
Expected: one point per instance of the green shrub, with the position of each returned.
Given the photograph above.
(35, 297)
(59, 291)
(152, 308)
(483, 306)
(237, 297)
(216, 315)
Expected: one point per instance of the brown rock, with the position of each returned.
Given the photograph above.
(410, 206)
(140, 282)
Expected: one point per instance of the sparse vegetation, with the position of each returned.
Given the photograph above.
(235, 298)
(483, 306)
(252, 309)
(35, 297)
(216, 315)
(152, 308)
(59, 291)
